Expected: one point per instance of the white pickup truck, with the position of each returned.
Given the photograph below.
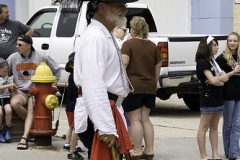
(58, 29)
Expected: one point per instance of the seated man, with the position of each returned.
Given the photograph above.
(22, 66)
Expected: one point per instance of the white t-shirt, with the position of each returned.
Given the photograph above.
(5, 92)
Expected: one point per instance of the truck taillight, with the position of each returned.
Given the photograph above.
(163, 49)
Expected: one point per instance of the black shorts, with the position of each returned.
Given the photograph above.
(4, 101)
(136, 101)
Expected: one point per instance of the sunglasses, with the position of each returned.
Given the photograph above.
(124, 30)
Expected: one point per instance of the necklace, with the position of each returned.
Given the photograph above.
(235, 63)
(126, 82)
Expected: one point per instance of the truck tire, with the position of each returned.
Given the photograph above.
(163, 95)
(192, 101)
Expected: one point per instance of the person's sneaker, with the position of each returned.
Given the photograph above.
(66, 148)
(75, 155)
(79, 150)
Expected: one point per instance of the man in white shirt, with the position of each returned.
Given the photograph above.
(99, 69)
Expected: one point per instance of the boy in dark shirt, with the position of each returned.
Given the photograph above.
(72, 94)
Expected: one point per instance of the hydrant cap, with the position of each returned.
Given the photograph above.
(51, 101)
(43, 74)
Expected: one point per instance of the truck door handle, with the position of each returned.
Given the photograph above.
(45, 46)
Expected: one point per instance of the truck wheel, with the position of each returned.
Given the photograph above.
(163, 95)
(192, 101)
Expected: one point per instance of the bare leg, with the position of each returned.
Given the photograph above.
(1, 115)
(17, 103)
(2, 139)
(201, 136)
(137, 129)
(28, 122)
(74, 142)
(213, 135)
(69, 135)
(148, 131)
(8, 111)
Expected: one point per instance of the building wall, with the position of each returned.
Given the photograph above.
(212, 17)
(11, 7)
(35, 5)
(236, 17)
(26, 8)
(22, 10)
(172, 16)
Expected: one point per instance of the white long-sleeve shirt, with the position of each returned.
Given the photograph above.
(97, 71)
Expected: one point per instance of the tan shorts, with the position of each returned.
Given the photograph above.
(25, 94)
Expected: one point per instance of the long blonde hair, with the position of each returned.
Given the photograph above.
(227, 53)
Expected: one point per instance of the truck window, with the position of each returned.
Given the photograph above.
(143, 12)
(67, 24)
(42, 22)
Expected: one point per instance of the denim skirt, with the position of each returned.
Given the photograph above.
(211, 109)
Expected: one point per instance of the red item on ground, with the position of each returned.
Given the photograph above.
(100, 149)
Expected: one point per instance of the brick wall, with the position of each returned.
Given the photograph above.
(236, 17)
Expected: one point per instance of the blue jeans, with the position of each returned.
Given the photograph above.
(231, 128)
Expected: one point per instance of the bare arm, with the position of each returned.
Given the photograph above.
(30, 32)
(157, 70)
(125, 59)
(11, 86)
(223, 77)
(234, 71)
(216, 80)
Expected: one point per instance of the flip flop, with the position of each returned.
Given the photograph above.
(23, 144)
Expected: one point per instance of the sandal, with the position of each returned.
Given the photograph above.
(23, 144)
(137, 157)
(31, 138)
(147, 157)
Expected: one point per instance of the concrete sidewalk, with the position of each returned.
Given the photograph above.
(173, 146)
(165, 149)
(8, 151)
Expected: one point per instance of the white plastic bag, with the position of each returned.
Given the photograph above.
(80, 116)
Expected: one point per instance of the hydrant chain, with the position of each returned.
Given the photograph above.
(33, 101)
(52, 114)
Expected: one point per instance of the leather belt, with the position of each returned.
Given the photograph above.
(113, 97)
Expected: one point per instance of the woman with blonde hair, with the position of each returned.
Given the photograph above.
(142, 61)
(229, 61)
